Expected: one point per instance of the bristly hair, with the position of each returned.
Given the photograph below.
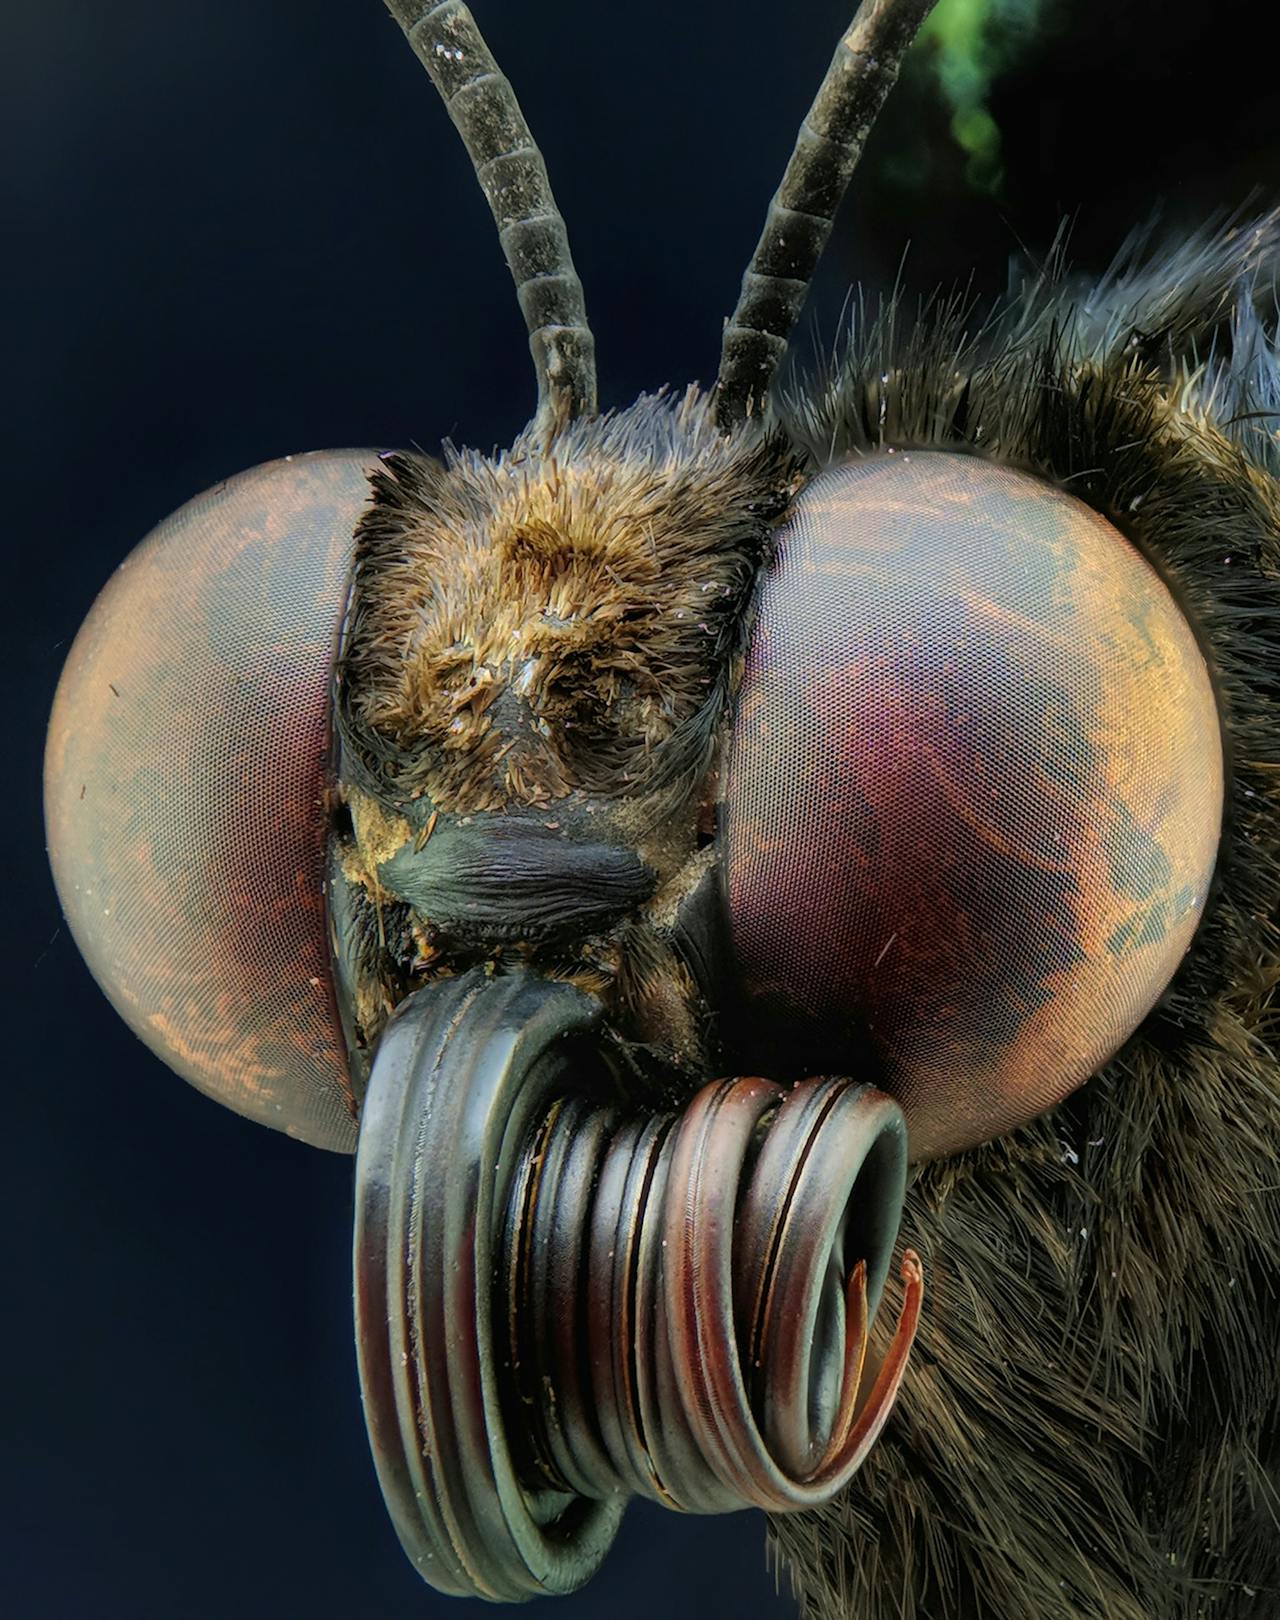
(559, 618)
(1092, 1427)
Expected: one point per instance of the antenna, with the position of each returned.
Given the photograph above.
(513, 177)
(862, 73)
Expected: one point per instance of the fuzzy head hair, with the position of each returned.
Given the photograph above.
(1092, 1428)
(558, 619)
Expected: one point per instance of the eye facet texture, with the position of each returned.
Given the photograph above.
(975, 789)
(184, 781)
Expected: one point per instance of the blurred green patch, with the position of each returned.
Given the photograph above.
(968, 44)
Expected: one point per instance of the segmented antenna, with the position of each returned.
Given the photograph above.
(827, 149)
(514, 179)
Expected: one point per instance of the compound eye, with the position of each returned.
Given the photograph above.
(184, 789)
(975, 790)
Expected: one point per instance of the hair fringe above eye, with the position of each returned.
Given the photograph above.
(1186, 320)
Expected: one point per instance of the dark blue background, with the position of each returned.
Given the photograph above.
(241, 228)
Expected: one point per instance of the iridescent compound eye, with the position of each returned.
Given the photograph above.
(184, 787)
(975, 790)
